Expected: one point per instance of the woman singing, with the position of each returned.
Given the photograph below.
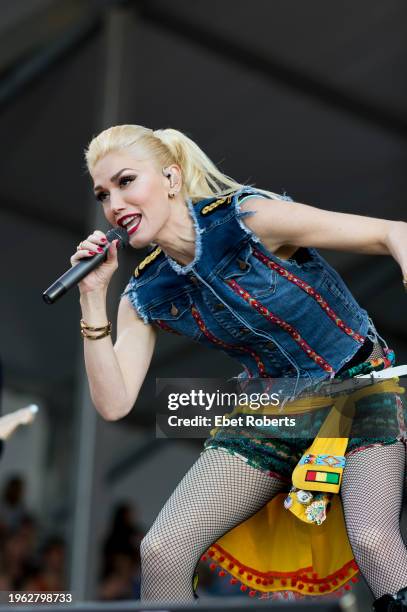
(236, 268)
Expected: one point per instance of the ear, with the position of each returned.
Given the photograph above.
(174, 175)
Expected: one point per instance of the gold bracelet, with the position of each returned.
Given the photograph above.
(101, 335)
(84, 325)
(105, 330)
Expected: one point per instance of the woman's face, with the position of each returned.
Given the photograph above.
(134, 194)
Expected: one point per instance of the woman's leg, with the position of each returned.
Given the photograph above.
(219, 492)
(372, 492)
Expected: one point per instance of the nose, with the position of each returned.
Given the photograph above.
(116, 203)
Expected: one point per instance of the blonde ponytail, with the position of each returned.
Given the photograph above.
(201, 178)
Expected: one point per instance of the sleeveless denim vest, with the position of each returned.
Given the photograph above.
(279, 318)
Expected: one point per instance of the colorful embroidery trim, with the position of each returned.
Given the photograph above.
(318, 476)
(309, 291)
(371, 365)
(201, 324)
(146, 262)
(294, 333)
(331, 460)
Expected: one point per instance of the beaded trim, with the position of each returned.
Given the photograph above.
(371, 365)
(201, 324)
(305, 581)
(309, 291)
(294, 333)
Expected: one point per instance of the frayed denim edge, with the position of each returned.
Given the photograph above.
(374, 335)
(131, 293)
(178, 268)
(240, 215)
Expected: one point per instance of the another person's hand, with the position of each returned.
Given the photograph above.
(10, 422)
(100, 277)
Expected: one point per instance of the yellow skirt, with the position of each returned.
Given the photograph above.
(274, 551)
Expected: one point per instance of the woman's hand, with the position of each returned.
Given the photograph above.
(99, 279)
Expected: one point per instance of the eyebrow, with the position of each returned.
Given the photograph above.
(113, 178)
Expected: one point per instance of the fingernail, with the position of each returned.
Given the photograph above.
(91, 252)
(103, 240)
(99, 250)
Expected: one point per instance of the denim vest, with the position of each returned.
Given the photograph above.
(293, 317)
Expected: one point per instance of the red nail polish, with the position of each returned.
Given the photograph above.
(99, 250)
(103, 240)
(91, 252)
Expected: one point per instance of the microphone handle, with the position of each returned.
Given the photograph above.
(73, 276)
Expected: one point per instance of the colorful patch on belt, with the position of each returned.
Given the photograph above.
(331, 460)
(318, 476)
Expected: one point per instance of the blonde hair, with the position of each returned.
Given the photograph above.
(201, 178)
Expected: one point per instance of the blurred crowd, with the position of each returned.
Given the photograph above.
(28, 561)
(120, 571)
(33, 560)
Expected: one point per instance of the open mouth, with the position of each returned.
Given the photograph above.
(130, 223)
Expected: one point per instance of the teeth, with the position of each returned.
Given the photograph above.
(129, 220)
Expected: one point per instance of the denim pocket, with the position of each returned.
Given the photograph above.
(172, 309)
(256, 278)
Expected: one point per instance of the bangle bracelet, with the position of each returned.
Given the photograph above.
(101, 335)
(104, 330)
(84, 325)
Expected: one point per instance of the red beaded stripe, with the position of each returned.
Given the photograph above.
(309, 291)
(260, 365)
(294, 333)
(166, 327)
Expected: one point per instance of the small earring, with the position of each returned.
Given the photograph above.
(171, 194)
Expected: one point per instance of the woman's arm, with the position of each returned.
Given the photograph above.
(116, 373)
(277, 224)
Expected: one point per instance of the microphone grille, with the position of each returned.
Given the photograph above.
(119, 233)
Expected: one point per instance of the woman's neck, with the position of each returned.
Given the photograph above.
(178, 238)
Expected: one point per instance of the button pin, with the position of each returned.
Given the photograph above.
(242, 264)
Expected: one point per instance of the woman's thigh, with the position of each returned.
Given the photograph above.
(373, 483)
(218, 492)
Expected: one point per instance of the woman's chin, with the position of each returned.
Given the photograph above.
(138, 241)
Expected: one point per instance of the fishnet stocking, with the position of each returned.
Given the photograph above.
(372, 490)
(219, 492)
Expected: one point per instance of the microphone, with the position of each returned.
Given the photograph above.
(75, 274)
